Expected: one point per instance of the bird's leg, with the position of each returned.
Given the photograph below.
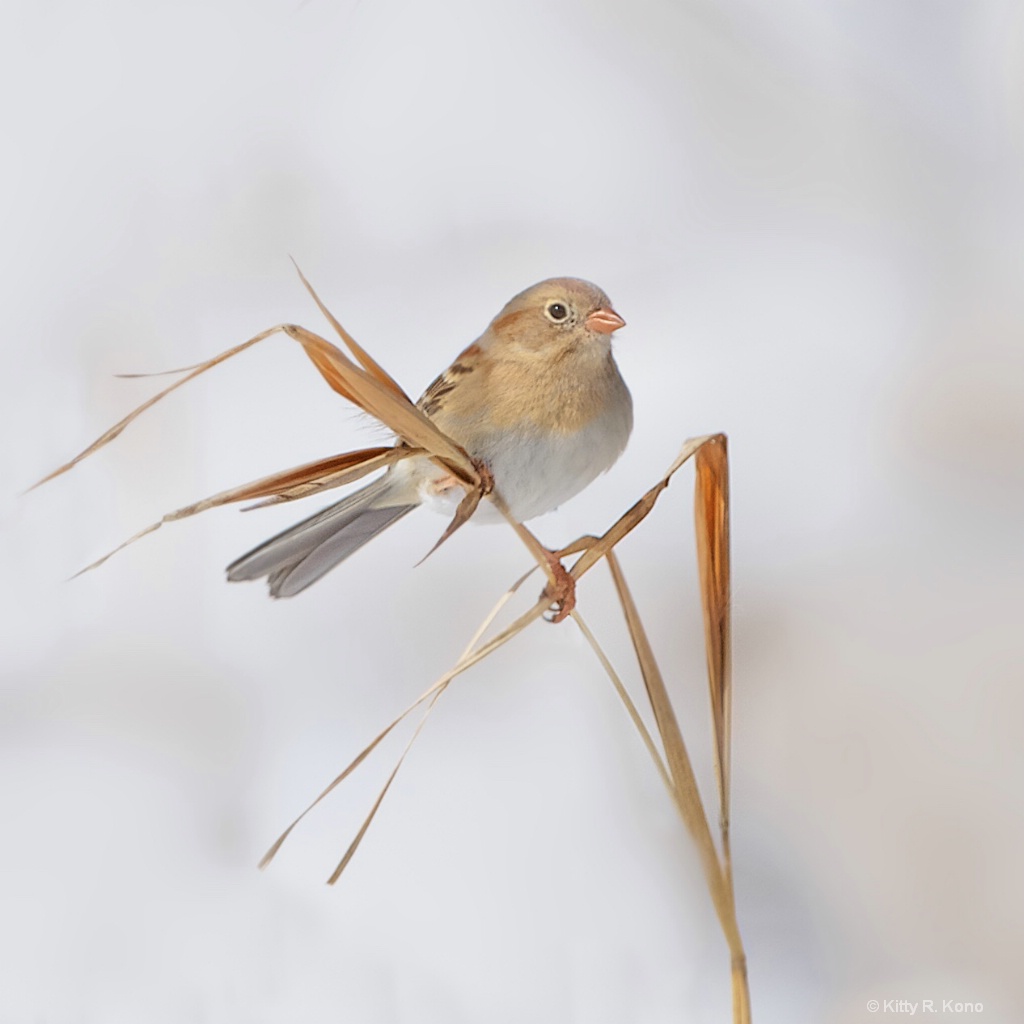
(561, 587)
(560, 591)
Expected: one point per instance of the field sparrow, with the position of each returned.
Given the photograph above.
(537, 399)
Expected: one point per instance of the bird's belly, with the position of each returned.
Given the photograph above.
(535, 474)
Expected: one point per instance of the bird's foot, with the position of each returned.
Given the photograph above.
(561, 591)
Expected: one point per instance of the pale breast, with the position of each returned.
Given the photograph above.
(536, 471)
(537, 474)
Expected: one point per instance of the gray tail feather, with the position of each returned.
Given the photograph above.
(298, 557)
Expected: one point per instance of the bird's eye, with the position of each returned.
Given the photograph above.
(556, 311)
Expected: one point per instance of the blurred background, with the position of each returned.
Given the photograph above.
(810, 216)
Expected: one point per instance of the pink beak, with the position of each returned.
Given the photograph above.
(604, 321)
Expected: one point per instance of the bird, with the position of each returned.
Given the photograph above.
(537, 401)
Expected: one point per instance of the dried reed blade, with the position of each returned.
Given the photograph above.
(588, 540)
(158, 373)
(117, 428)
(152, 528)
(331, 472)
(462, 516)
(374, 391)
(685, 791)
(466, 662)
(339, 477)
(687, 796)
(394, 411)
(363, 461)
(367, 386)
(336, 781)
(711, 517)
(467, 659)
(354, 845)
(740, 991)
(434, 691)
(631, 709)
(595, 549)
(365, 359)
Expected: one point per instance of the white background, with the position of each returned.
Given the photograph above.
(809, 214)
